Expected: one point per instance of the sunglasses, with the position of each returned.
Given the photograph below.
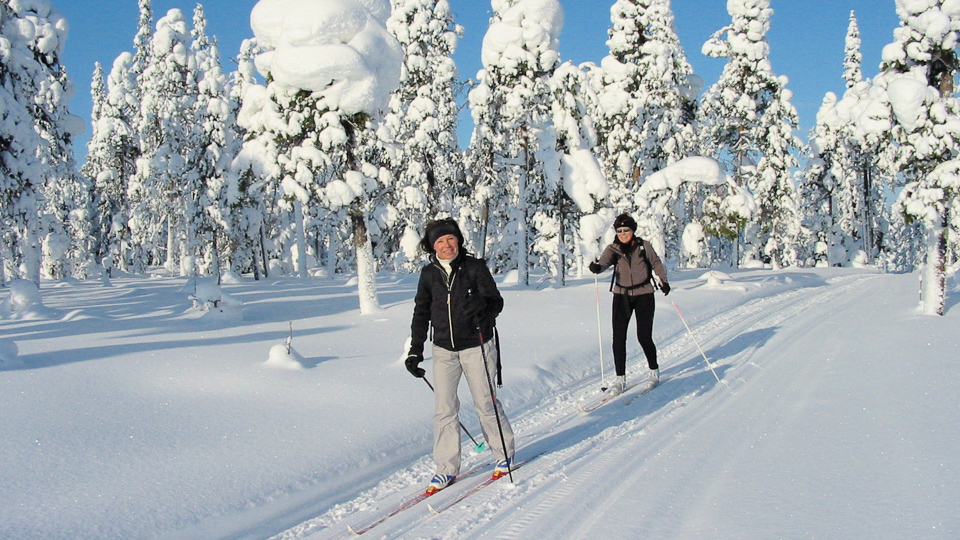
(624, 230)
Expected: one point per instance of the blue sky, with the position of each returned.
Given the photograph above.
(806, 39)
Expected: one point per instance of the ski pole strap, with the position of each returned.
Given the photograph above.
(496, 338)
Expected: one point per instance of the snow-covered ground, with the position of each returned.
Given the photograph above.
(125, 413)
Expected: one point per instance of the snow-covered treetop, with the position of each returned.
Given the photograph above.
(338, 48)
(926, 26)
(171, 37)
(746, 35)
(853, 58)
(39, 24)
(523, 36)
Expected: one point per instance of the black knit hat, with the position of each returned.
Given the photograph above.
(438, 228)
(624, 220)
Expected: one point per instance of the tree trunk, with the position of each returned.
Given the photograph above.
(366, 273)
(263, 253)
(31, 255)
(483, 235)
(934, 272)
(170, 263)
(523, 253)
(561, 255)
(301, 239)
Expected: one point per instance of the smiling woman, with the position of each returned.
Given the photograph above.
(458, 299)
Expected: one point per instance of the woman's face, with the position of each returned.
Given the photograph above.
(624, 234)
(446, 247)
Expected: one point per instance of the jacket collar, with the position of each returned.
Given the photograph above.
(625, 249)
(454, 264)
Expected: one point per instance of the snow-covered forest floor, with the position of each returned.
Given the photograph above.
(128, 414)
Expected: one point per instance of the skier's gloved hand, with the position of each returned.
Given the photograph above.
(665, 288)
(413, 365)
(595, 267)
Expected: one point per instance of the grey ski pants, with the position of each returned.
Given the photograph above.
(447, 369)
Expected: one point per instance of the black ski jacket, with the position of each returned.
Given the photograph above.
(441, 299)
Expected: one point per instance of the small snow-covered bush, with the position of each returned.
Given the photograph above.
(24, 298)
(208, 295)
(8, 353)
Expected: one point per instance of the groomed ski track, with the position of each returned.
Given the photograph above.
(691, 438)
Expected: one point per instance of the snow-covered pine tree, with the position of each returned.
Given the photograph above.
(111, 161)
(67, 243)
(423, 121)
(142, 47)
(21, 181)
(852, 58)
(241, 210)
(867, 202)
(823, 181)
(258, 169)
(64, 231)
(580, 189)
(643, 128)
(920, 69)
(218, 144)
(619, 89)
(511, 109)
(161, 190)
(316, 114)
(748, 123)
(858, 149)
(97, 163)
(843, 201)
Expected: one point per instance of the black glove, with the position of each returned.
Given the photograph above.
(665, 288)
(413, 365)
(595, 267)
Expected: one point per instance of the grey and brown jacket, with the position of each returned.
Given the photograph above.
(633, 264)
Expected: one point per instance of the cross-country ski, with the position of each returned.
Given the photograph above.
(605, 397)
(436, 508)
(631, 393)
(411, 501)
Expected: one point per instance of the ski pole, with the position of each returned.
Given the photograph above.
(696, 342)
(479, 447)
(496, 406)
(596, 284)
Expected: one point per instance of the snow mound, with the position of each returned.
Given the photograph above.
(721, 281)
(230, 278)
(714, 278)
(207, 296)
(24, 302)
(9, 353)
(511, 277)
(283, 356)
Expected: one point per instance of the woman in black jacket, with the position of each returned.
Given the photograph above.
(458, 298)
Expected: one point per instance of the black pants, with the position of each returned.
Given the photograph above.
(623, 307)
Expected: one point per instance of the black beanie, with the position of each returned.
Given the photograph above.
(624, 220)
(438, 228)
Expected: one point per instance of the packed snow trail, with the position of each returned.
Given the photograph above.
(132, 418)
(696, 459)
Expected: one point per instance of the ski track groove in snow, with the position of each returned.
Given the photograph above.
(596, 461)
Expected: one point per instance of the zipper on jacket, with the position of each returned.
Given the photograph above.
(453, 276)
(449, 280)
